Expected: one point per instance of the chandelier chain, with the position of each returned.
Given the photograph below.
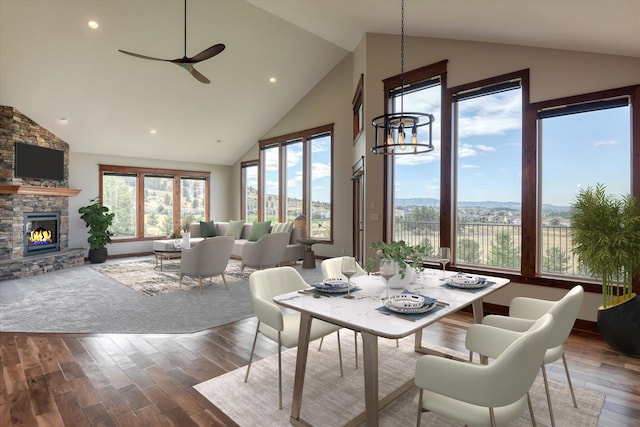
(402, 58)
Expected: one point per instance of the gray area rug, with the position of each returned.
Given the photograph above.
(329, 400)
(82, 300)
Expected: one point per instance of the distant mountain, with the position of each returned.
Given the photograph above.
(421, 201)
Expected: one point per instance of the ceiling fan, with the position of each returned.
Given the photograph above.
(186, 62)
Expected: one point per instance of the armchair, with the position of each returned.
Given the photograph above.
(268, 251)
(493, 394)
(523, 313)
(206, 259)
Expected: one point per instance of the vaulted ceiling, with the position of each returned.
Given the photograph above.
(53, 66)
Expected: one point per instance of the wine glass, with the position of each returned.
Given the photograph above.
(348, 269)
(444, 256)
(387, 271)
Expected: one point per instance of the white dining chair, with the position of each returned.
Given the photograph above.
(331, 268)
(485, 395)
(275, 323)
(523, 312)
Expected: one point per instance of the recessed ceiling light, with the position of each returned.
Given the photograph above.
(273, 79)
(218, 141)
(93, 25)
(153, 131)
(63, 121)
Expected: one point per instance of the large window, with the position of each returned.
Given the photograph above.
(152, 203)
(487, 140)
(414, 212)
(270, 183)
(296, 171)
(249, 202)
(596, 137)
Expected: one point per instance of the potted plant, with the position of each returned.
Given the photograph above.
(98, 219)
(409, 258)
(606, 239)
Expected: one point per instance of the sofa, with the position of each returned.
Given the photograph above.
(293, 252)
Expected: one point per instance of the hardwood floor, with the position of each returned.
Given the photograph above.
(146, 380)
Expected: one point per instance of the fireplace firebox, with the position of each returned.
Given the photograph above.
(41, 232)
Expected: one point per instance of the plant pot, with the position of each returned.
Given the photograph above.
(97, 256)
(397, 282)
(619, 326)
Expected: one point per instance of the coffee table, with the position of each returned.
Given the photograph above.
(166, 250)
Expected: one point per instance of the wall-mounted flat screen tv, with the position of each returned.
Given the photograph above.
(32, 161)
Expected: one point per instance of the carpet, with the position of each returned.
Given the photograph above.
(329, 400)
(142, 277)
(81, 300)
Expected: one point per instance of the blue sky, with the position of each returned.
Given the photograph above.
(577, 151)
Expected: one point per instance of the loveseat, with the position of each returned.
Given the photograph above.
(293, 252)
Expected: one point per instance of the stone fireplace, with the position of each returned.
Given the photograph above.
(34, 213)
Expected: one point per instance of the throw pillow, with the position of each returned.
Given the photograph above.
(259, 229)
(282, 227)
(207, 229)
(235, 229)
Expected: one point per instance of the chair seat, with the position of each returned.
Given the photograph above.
(289, 335)
(472, 414)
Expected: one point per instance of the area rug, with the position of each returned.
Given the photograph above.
(145, 277)
(331, 400)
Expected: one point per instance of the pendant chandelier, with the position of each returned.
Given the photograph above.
(391, 128)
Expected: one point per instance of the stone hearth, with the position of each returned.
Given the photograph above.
(19, 196)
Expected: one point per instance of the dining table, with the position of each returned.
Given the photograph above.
(366, 313)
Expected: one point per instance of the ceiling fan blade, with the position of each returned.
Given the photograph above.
(207, 53)
(195, 73)
(141, 56)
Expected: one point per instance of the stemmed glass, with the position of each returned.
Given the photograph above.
(348, 269)
(444, 256)
(387, 271)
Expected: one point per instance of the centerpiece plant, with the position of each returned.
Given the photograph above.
(399, 251)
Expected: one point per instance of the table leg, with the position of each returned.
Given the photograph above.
(370, 354)
(478, 314)
(301, 366)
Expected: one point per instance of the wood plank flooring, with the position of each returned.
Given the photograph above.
(146, 380)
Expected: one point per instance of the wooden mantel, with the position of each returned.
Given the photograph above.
(38, 191)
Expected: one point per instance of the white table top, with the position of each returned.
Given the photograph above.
(360, 313)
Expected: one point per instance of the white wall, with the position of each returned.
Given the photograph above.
(328, 102)
(83, 174)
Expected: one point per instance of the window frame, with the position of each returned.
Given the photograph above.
(140, 173)
(243, 185)
(281, 141)
(472, 90)
(414, 79)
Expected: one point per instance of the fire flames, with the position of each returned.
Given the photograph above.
(40, 236)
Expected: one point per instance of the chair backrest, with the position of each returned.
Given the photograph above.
(265, 284)
(208, 258)
(269, 250)
(564, 311)
(332, 267)
(513, 372)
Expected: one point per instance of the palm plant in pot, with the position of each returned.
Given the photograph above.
(98, 219)
(606, 239)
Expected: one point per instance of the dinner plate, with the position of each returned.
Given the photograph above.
(388, 303)
(466, 281)
(323, 287)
